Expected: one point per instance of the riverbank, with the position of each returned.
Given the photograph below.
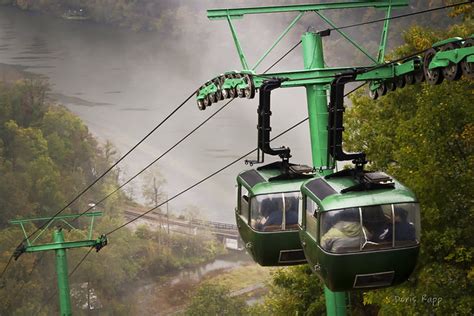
(117, 13)
(12, 73)
(148, 253)
(171, 294)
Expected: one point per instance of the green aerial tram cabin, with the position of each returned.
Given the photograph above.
(356, 229)
(360, 234)
(268, 197)
(268, 212)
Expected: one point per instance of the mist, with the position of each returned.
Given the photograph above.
(122, 83)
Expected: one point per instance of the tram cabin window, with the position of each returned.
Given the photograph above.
(406, 224)
(377, 220)
(274, 212)
(341, 230)
(243, 203)
(370, 228)
(311, 221)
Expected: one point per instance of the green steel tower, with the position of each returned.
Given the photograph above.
(315, 78)
(59, 245)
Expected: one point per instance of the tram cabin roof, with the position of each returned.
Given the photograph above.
(258, 181)
(328, 192)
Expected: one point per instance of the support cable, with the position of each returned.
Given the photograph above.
(281, 58)
(6, 266)
(112, 166)
(376, 21)
(175, 145)
(401, 16)
(153, 162)
(191, 187)
(187, 99)
(214, 173)
(149, 165)
(175, 110)
(51, 297)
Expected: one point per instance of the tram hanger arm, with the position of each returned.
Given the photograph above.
(300, 78)
(217, 14)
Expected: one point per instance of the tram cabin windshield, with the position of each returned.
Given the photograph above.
(370, 228)
(274, 212)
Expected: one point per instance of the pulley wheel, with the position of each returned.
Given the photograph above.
(410, 78)
(218, 85)
(373, 94)
(206, 101)
(382, 89)
(213, 98)
(452, 71)
(232, 93)
(391, 85)
(200, 105)
(467, 67)
(250, 90)
(226, 93)
(400, 81)
(432, 76)
(419, 76)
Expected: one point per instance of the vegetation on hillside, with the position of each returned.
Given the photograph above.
(151, 15)
(424, 136)
(47, 156)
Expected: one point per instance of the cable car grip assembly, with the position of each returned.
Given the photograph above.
(365, 180)
(227, 86)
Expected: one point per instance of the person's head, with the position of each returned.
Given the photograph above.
(400, 214)
(266, 207)
(349, 215)
(291, 203)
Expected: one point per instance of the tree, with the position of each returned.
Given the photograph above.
(293, 291)
(212, 299)
(151, 189)
(424, 136)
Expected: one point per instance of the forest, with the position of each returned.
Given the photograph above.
(151, 15)
(423, 135)
(47, 156)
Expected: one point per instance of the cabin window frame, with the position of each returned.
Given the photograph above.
(311, 216)
(283, 227)
(244, 213)
(412, 218)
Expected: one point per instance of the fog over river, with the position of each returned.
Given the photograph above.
(122, 83)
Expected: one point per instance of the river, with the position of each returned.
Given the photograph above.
(172, 293)
(122, 83)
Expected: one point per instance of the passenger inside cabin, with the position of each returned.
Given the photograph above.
(404, 230)
(274, 216)
(291, 211)
(377, 223)
(346, 234)
(270, 216)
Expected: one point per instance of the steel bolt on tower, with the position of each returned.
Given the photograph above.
(59, 245)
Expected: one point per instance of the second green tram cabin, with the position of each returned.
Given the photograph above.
(360, 237)
(267, 216)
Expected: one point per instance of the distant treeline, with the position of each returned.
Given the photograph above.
(152, 15)
(47, 156)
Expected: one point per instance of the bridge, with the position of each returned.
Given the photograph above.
(227, 233)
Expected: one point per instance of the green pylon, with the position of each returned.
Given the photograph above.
(62, 273)
(318, 121)
(59, 245)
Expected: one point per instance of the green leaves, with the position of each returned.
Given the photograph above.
(423, 136)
